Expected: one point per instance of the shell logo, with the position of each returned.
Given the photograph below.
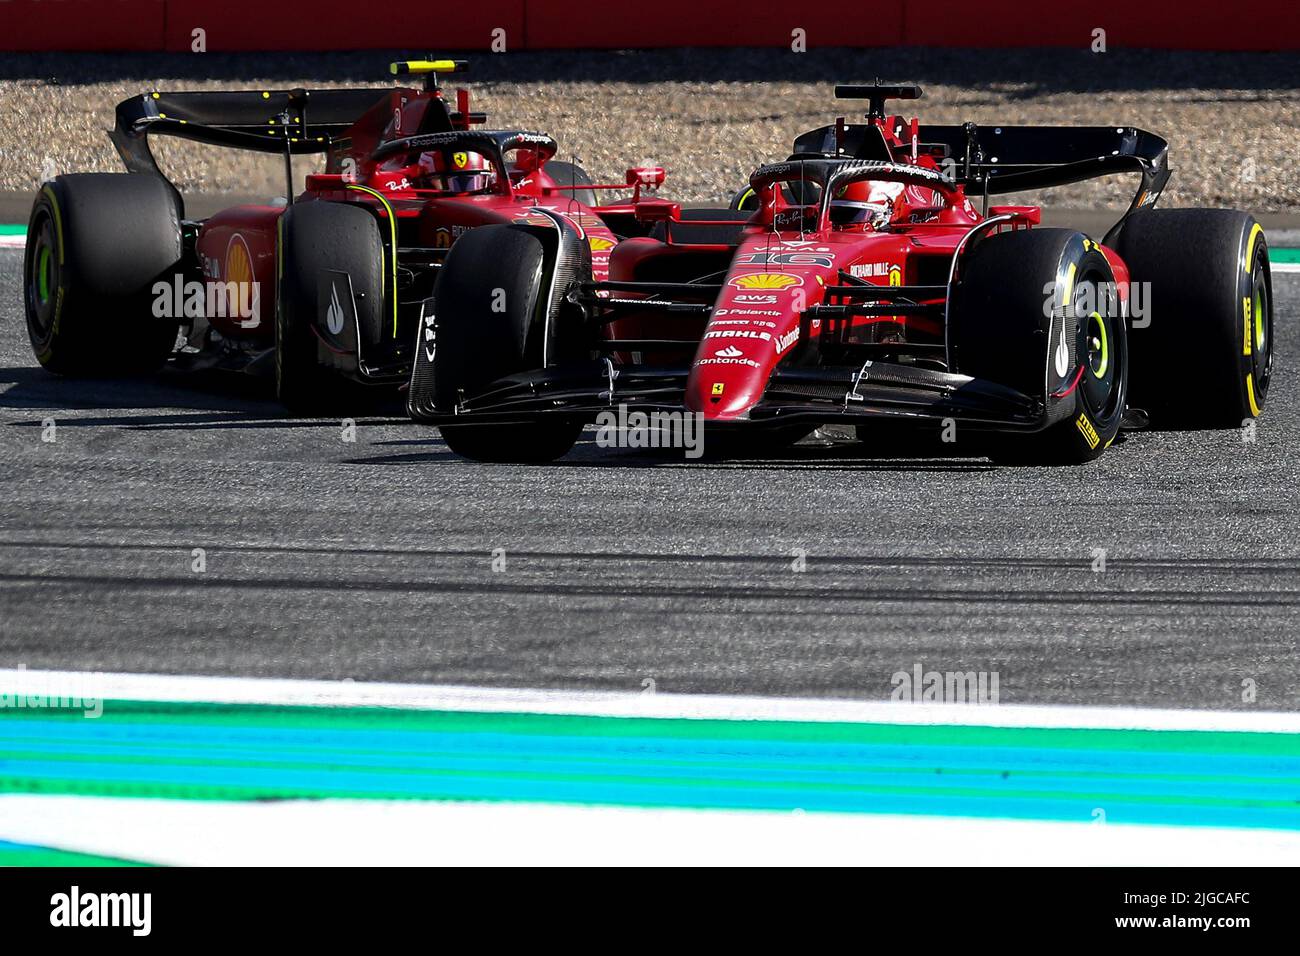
(766, 280)
(239, 263)
(246, 303)
(600, 244)
(533, 219)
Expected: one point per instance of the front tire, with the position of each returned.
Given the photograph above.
(489, 323)
(1035, 311)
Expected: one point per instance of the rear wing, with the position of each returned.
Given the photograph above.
(241, 120)
(993, 160)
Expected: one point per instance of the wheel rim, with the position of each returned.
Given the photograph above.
(43, 276)
(42, 279)
(1261, 335)
(1097, 348)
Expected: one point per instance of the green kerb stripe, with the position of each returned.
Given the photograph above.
(246, 752)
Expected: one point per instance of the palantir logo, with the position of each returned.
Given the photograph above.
(75, 909)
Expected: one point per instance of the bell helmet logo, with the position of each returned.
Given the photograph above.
(766, 280)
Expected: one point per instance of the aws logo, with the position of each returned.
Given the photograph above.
(766, 280)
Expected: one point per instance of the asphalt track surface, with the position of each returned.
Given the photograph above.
(373, 560)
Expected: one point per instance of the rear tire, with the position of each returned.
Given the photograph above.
(489, 319)
(1075, 359)
(1205, 358)
(571, 174)
(796, 192)
(96, 244)
(317, 237)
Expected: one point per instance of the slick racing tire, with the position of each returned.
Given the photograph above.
(1069, 350)
(571, 174)
(318, 241)
(1203, 346)
(746, 200)
(489, 304)
(96, 244)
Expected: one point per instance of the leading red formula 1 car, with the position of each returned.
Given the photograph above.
(867, 289)
(329, 285)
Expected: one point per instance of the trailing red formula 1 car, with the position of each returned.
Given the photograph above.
(326, 286)
(867, 289)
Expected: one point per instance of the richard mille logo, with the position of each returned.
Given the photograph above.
(430, 336)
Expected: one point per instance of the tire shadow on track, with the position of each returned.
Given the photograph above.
(814, 456)
(222, 401)
(35, 388)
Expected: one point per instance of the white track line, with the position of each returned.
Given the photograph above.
(407, 833)
(245, 690)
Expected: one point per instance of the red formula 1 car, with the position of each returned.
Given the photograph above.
(329, 285)
(867, 289)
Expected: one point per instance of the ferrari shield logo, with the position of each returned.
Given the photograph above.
(460, 159)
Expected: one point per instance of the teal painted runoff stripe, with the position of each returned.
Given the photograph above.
(256, 752)
(23, 854)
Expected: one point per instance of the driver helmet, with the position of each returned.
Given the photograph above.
(868, 201)
(458, 171)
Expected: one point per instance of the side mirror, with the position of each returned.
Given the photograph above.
(526, 160)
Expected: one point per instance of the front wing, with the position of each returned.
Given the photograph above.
(813, 395)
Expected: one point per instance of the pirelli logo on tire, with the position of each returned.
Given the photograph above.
(1087, 431)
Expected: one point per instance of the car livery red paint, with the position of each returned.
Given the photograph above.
(856, 282)
(336, 292)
